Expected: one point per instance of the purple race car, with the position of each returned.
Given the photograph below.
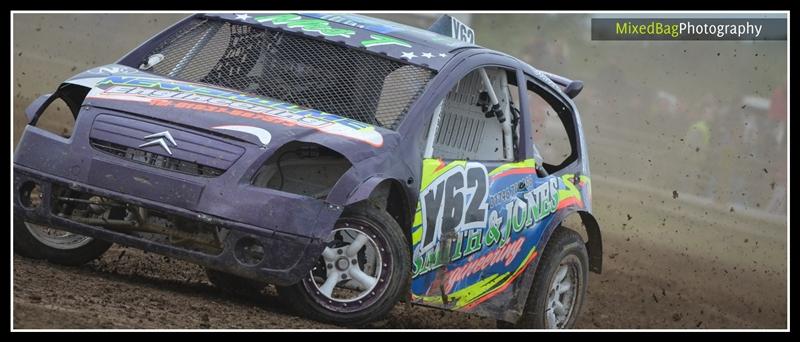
(350, 161)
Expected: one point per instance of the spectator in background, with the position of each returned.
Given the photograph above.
(776, 127)
(667, 103)
(733, 144)
(777, 120)
(698, 143)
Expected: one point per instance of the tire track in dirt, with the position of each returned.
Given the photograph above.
(128, 288)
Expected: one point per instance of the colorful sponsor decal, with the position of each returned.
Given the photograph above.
(387, 27)
(112, 69)
(379, 40)
(320, 26)
(357, 21)
(168, 93)
(475, 231)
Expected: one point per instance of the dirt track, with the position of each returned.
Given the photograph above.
(669, 262)
(643, 286)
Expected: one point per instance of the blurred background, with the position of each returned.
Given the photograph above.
(687, 143)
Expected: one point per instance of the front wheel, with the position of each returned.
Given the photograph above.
(559, 285)
(361, 274)
(57, 246)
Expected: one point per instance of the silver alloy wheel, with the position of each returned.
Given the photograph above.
(561, 297)
(350, 275)
(57, 239)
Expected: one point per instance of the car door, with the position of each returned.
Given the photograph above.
(481, 203)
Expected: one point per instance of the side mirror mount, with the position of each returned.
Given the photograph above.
(573, 89)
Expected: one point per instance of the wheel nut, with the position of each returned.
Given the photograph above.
(330, 265)
(339, 251)
(354, 261)
(344, 276)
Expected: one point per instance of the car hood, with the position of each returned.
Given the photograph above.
(256, 119)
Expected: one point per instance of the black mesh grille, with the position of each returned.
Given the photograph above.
(155, 160)
(295, 69)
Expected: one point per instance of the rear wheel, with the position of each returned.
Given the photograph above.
(559, 285)
(360, 275)
(55, 245)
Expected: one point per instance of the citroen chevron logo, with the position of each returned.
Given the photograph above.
(163, 137)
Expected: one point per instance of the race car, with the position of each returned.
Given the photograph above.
(350, 161)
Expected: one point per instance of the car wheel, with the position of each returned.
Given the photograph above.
(559, 285)
(361, 274)
(235, 285)
(57, 246)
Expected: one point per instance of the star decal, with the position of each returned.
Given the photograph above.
(442, 55)
(427, 55)
(408, 55)
(242, 17)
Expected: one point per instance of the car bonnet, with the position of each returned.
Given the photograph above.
(260, 120)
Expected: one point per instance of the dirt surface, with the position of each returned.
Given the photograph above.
(644, 285)
(673, 258)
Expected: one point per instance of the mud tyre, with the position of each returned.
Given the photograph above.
(559, 285)
(54, 245)
(361, 275)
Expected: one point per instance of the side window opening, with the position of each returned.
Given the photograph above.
(553, 133)
(468, 129)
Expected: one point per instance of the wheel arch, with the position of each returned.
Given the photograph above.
(594, 243)
(389, 194)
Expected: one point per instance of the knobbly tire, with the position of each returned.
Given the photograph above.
(362, 273)
(235, 285)
(564, 264)
(56, 246)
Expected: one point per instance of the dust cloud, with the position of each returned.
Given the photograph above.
(687, 145)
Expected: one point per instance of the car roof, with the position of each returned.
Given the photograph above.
(398, 41)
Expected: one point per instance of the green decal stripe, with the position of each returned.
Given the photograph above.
(309, 25)
(519, 269)
(474, 292)
(570, 191)
(418, 215)
(379, 39)
(477, 290)
(465, 293)
(430, 172)
(416, 236)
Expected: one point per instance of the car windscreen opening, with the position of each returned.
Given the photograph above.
(292, 68)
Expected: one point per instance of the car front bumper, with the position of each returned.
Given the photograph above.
(290, 228)
(286, 257)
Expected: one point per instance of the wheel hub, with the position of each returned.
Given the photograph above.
(353, 269)
(561, 297)
(342, 264)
